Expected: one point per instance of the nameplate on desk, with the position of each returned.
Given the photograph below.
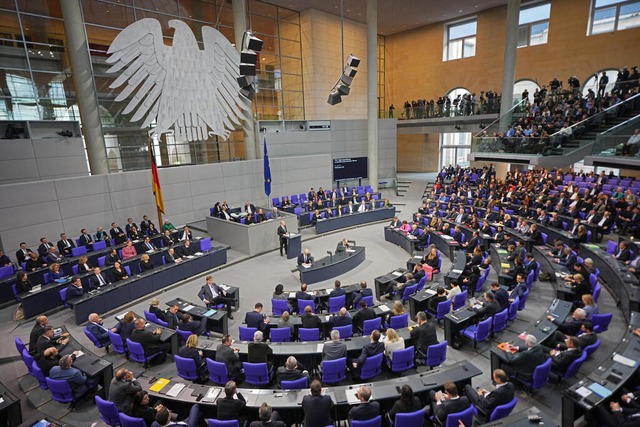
(199, 253)
(396, 274)
(211, 395)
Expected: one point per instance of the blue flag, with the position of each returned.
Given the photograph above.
(267, 170)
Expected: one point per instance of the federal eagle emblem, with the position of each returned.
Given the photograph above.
(183, 89)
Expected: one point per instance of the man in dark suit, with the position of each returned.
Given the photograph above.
(171, 317)
(395, 222)
(255, 318)
(374, 347)
(193, 326)
(186, 250)
(144, 224)
(342, 246)
(366, 409)
(337, 290)
(43, 249)
(232, 405)
(317, 407)
(249, 208)
(167, 240)
(448, 402)
(74, 290)
(259, 351)
(363, 292)
(282, 235)
(568, 259)
(605, 223)
(41, 323)
(229, 356)
(364, 313)
(23, 253)
(123, 387)
(525, 359)
(97, 279)
(147, 245)
(47, 340)
(212, 294)
(305, 257)
(149, 340)
(302, 295)
(290, 371)
(487, 401)
(623, 253)
(85, 238)
(561, 359)
(185, 234)
(310, 320)
(571, 326)
(341, 319)
(424, 334)
(117, 233)
(130, 226)
(98, 330)
(472, 243)
(65, 245)
(489, 307)
(500, 295)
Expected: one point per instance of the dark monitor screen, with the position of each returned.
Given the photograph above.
(350, 168)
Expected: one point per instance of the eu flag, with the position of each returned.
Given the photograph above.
(267, 170)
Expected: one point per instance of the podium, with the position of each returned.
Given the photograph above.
(294, 246)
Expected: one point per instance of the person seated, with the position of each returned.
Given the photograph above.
(486, 401)
(519, 289)
(305, 258)
(423, 335)
(83, 264)
(122, 389)
(443, 403)
(342, 246)
(232, 405)
(145, 263)
(164, 417)
(55, 272)
(334, 349)
(125, 327)
(441, 296)
(151, 341)
(623, 253)
(229, 356)
(35, 262)
(317, 406)
(570, 326)
(524, 361)
(194, 326)
(167, 239)
(488, 308)
(190, 351)
(54, 256)
(140, 408)
(364, 313)
(65, 245)
(171, 257)
(48, 359)
(255, 318)
(568, 259)
(267, 417)
(310, 320)
(279, 293)
(369, 350)
(364, 291)
(80, 384)
(342, 319)
(590, 307)
(102, 235)
(407, 403)
(290, 371)
(366, 409)
(580, 286)
(98, 330)
(129, 251)
(154, 308)
(112, 257)
(168, 226)
(118, 272)
(259, 351)
(500, 295)
(561, 359)
(75, 289)
(135, 234)
(392, 342)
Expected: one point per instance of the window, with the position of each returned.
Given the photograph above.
(534, 25)
(461, 40)
(593, 82)
(455, 149)
(612, 15)
(520, 86)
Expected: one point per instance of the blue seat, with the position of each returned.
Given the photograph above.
(398, 322)
(466, 416)
(39, 375)
(460, 300)
(513, 309)
(205, 244)
(61, 391)
(371, 367)
(77, 251)
(591, 348)
(279, 306)
(408, 291)
(102, 261)
(127, 421)
(218, 372)
(20, 345)
(187, 368)
(138, 355)
(63, 297)
(116, 343)
(336, 303)
(16, 295)
(246, 334)
(523, 300)
(436, 354)
(444, 307)
(601, 322)
(92, 338)
(478, 333)
(500, 320)
(298, 384)
(108, 411)
(572, 370)
(257, 373)
(410, 419)
(309, 334)
(211, 422)
(302, 303)
(402, 360)
(373, 422)
(539, 378)
(368, 299)
(334, 371)
(502, 411)
(371, 325)
(280, 334)
(346, 331)
(596, 292)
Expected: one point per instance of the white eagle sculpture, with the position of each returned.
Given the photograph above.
(179, 86)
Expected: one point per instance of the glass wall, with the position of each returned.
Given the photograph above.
(455, 149)
(36, 73)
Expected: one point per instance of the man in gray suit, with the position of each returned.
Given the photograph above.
(525, 359)
(334, 349)
(123, 387)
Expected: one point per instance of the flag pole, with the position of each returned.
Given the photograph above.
(150, 147)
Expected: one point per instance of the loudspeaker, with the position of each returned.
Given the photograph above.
(247, 69)
(348, 71)
(245, 80)
(352, 61)
(346, 80)
(248, 57)
(247, 92)
(334, 98)
(344, 89)
(254, 43)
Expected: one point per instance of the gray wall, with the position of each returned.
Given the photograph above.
(347, 138)
(42, 154)
(47, 208)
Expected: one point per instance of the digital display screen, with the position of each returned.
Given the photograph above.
(350, 168)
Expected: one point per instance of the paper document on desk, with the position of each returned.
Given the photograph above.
(211, 395)
(79, 353)
(306, 265)
(396, 274)
(456, 271)
(199, 253)
(351, 250)
(583, 391)
(189, 307)
(625, 360)
(173, 392)
(429, 292)
(384, 308)
(319, 347)
(292, 294)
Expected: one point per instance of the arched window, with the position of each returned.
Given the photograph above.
(520, 86)
(593, 81)
(453, 93)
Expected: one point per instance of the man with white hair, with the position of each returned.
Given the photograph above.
(98, 330)
(525, 359)
(290, 371)
(259, 351)
(334, 349)
(570, 327)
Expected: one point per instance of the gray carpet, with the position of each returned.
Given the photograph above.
(257, 277)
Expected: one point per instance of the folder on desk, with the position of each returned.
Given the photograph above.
(209, 312)
(600, 390)
(505, 265)
(159, 385)
(175, 390)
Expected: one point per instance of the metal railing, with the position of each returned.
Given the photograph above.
(614, 141)
(517, 109)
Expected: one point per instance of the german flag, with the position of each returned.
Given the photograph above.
(157, 191)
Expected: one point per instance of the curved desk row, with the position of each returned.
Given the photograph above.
(622, 284)
(121, 293)
(287, 402)
(48, 297)
(394, 236)
(332, 266)
(607, 380)
(354, 219)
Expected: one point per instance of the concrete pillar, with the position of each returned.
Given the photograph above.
(248, 128)
(82, 76)
(509, 63)
(372, 92)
